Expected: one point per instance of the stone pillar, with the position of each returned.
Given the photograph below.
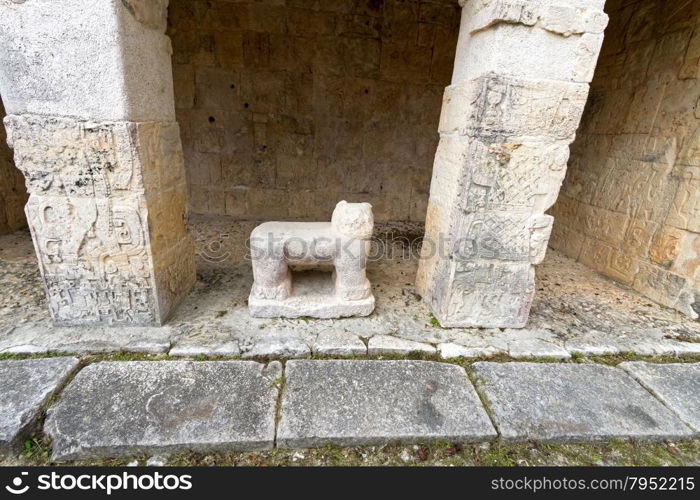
(88, 92)
(518, 90)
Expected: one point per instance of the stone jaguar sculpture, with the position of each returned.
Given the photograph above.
(342, 243)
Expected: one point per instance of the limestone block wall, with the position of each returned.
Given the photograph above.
(288, 106)
(13, 194)
(629, 206)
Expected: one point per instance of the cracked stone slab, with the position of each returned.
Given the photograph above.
(26, 386)
(384, 344)
(115, 409)
(645, 342)
(677, 385)
(518, 344)
(572, 402)
(347, 403)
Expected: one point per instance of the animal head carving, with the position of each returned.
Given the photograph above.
(354, 220)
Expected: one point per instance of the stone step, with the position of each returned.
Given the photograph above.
(677, 385)
(118, 409)
(25, 388)
(573, 402)
(349, 403)
(115, 409)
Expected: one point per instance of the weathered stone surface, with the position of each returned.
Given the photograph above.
(305, 98)
(449, 350)
(277, 345)
(106, 210)
(564, 18)
(375, 402)
(494, 105)
(542, 39)
(516, 99)
(13, 194)
(385, 344)
(215, 315)
(529, 344)
(27, 385)
(629, 203)
(97, 142)
(49, 63)
(191, 350)
(339, 343)
(642, 341)
(342, 243)
(572, 402)
(523, 343)
(43, 338)
(677, 385)
(128, 408)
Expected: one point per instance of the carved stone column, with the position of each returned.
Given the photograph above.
(89, 98)
(518, 91)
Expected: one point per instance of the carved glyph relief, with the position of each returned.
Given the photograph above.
(502, 159)
(502, 106)
(89, 215)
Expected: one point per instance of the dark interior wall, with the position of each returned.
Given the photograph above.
(13, 193)
(629, 207)
(288, 106)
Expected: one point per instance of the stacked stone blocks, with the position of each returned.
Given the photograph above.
(93, 129)
(507, 121)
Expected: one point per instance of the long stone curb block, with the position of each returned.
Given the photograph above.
(676, 385)
(116, 409)
(352, 403)
(560, 402)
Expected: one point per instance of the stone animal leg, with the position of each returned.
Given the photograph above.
(273, 279)
(351, 281)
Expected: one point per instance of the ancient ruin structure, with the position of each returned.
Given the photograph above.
(342, 244)
(517, 94)
(275, 110)
(629, 206)
(87, 88)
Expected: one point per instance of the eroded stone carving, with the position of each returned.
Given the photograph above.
(95, 225)
(343, 244)
(498, 105)
(563, 18)
(505, 132)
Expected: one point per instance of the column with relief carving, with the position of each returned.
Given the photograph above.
(90, 116)
(520, 83)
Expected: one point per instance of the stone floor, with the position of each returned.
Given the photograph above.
(121, 409)
(575, 311)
